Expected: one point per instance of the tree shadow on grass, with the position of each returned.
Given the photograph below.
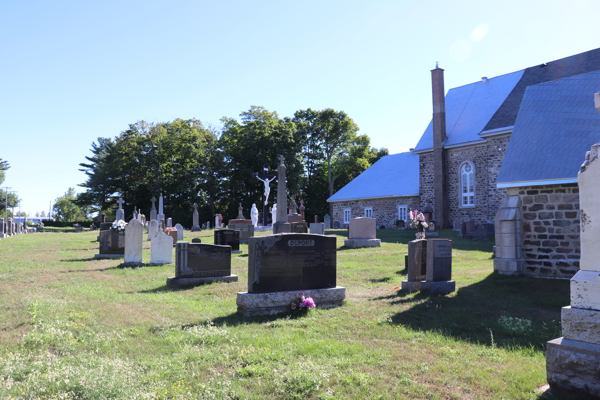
(164, 289)
(530, 309)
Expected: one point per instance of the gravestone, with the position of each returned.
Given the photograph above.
(2, 234)
(162, 248)
(400, 224)
(301, 209)
(468, 229)
(196, 240)
(299, 227)
(254, 215)
(195, 219)
(120, 212)
(112, 244)
(480, 234)
(172, 233)
(294, 218)
(361, 233)
(280, 223)
(134, 236)
(161, 212)
(9, 227)
(105, 226)
(239, 222)
(169, 222)
(179, 228)
(228, 237)
(279, 266)
(198, 263)
(246, 231)
(240, 212)
(317, 228)
(573, 361)
(291, 262)
(152, 229)
(153, 210)
(218, 220)
(436, 256)
(337, 224)
(316, 219)
(327, 221)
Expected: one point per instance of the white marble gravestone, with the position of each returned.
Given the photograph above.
(134, 235)
(152, 229)
(162, 249)
(327, 221)
(179, 228)
(169, 222)
(574, 359)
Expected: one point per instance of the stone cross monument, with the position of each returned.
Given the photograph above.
(574, 359)
(120, 211)
(195, 219)
(281, 226)
(266, 179)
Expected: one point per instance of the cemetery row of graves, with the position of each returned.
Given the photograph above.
(143, 309)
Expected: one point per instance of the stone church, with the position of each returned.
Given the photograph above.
(521, 134)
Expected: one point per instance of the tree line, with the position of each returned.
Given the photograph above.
(191, 163)
(8, 199)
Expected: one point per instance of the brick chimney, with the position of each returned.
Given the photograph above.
(439, 137)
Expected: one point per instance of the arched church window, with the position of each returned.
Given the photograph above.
(467, 185)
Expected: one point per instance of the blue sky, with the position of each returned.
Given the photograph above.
(74, 71)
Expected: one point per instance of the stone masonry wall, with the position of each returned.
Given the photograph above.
(550, 238)
(384, 210)
(487, 160)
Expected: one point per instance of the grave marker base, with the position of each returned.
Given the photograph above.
(105, 256)
(358, 243)
(443, 287)
(250, 304)
(189, 282)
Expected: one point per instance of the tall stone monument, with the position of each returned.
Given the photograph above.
(153, 210)
(574, 359)
(509, 258)
(161, 211)
(281, 226)
(195, 219)
(120, 212)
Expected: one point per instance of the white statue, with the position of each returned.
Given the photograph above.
(274, 213)
(254, 215)
(266, 181)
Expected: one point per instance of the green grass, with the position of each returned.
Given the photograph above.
(73, 327)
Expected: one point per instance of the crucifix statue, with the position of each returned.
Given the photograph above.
(266, 179)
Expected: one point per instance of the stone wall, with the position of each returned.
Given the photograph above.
(487, 159)
(550, 237)
(384, 210)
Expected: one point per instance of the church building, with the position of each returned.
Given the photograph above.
(521, 134)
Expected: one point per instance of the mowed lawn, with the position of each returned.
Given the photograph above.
(73, 327)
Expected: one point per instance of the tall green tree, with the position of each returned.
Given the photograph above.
(11, 199)
(247, 145)
(3, 167)
(65, 209)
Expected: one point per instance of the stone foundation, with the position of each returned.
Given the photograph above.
(385, 210)
(358, 243)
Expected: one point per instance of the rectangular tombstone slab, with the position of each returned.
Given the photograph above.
(327, 221)
(197, 260)
(439, 260)
(173, 235)
(152, 229)
(228, 237)
(299, 227)
(417, 260)
(169, 222)
(134, 236)
(251, 304)
(162, 249)
(179, 228)
(294, 218)
(282, 227)
(291, 262)
(246, 231)
(580, 324)
(317, 228)
(573, 368)
(112, 242)
(585, 290)
(362, 228)
(589, 195)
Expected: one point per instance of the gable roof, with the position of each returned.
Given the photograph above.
(469, 109)
(556, 124)
(476, 108)
(395, 175)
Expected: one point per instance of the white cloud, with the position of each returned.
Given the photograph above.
(478, 33)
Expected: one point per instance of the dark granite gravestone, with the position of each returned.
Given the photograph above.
(480, 234)
(196, 240)
(417, 260)
(400, 224)
(490, 228)
(104, 226)
(198, 263)
(288, 262)
(228, 237)
(299, 227)
(337, 224)
(112, 244)
(439, 260)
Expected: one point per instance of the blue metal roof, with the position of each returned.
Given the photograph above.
(470, 107)
(392, 176)
(556, 124)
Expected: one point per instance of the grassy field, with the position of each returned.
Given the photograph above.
(73, 327)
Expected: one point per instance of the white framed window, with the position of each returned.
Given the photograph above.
(369, 212)
(467, 184)
(402, 214)
(347, 215)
